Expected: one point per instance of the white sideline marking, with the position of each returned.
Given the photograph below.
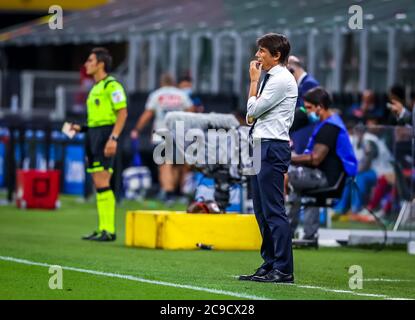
(355, 293)
(184, 286)
(388, 280)
(349, 292)
(133, 278)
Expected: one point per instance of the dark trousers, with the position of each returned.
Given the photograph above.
(302, 179)
(268, 198)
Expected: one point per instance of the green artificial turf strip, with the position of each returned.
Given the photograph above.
(32, 282)
(53, 237)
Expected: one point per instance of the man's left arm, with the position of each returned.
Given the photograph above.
(312, 159)
(111, 146)
(119, 103)
(326, 139)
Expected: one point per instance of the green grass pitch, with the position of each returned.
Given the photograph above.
(53, 238)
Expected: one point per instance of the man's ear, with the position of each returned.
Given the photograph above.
(277, 56)
(101, 64)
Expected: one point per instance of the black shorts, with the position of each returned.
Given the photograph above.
(96, 139)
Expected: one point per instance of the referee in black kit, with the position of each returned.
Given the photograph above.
(271, 113)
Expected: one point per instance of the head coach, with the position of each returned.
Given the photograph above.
(270, 111)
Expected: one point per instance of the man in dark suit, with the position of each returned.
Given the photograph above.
(301, 129)
(400, 114)
(304, 80)
(270, 112)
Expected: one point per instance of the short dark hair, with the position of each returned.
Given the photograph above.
(186, 78)
(275, 43)
(318, 96)
(166, 80)
(398, 91)
(104, 56)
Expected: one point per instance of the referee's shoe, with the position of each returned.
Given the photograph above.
(90, 236)
(101, 236)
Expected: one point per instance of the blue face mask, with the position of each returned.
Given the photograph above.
(188, 91)
(313, 117)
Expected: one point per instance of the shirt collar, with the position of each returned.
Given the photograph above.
(301, 78)
(275, 69)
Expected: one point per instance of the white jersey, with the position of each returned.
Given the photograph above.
(164, 100)
(382, 163)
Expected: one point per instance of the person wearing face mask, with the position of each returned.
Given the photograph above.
(329, 153)
(185, 84)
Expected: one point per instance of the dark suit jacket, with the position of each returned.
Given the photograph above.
(301, 129)
(306, 84)
(408, 117)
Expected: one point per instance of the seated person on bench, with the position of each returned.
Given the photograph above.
(329, 153)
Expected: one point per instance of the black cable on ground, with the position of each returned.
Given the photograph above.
(378, 220)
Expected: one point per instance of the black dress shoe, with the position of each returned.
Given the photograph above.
(275, 276)
(260, 272)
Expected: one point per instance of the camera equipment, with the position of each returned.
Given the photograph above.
(220, 143)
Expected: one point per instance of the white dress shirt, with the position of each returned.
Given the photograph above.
(275, 108)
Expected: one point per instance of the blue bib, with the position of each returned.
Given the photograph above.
(344, 148)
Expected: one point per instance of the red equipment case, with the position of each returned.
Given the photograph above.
(37, 189)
